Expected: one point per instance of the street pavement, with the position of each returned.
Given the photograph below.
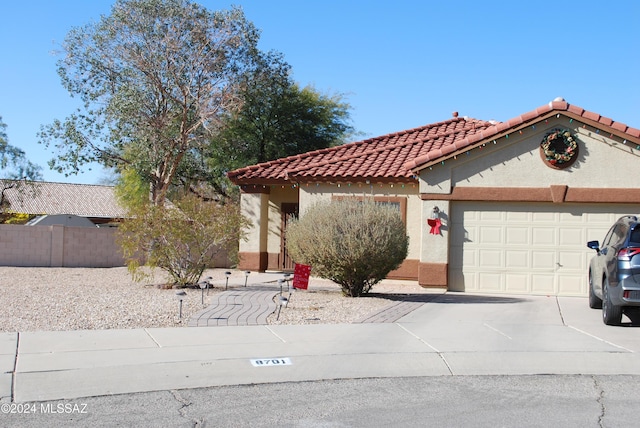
(450, 335)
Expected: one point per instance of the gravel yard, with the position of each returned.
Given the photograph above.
(35, 299)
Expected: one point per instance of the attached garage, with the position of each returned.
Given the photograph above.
(518, 202)
(524, 248)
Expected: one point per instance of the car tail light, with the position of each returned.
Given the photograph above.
(627, 253)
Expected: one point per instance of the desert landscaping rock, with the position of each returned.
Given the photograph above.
(47, 299)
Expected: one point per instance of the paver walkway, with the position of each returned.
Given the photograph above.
(253, 305)
(240, 306)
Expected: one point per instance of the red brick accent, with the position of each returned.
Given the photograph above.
(274, 262)
(253, 261)
(433, 274)
(407, 270)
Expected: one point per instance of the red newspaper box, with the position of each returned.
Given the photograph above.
(301, 275)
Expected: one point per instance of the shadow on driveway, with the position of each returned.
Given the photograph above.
(447, 298)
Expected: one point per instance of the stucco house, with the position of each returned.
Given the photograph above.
(497, 207)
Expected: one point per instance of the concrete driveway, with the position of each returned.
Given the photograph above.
(454, 334)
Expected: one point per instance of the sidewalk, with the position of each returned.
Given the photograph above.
(453, 334)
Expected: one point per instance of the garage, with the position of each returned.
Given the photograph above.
(525, 248)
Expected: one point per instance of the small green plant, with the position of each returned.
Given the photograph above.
(180, 238)
(353, 242)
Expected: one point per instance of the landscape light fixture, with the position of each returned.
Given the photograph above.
(208, 281)
(180, 295)
(227, 274)
(203, 285)
(246, 277)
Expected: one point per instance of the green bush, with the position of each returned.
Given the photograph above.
(353, 242)
(182, 239)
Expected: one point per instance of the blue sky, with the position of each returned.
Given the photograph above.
(400, 64)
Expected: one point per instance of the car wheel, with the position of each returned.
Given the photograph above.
(611, 314)
(594, 301)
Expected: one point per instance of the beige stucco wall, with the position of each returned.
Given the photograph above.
(254, 206)
(435, 248)
(515, 162)
(279, 195)
(324, 192)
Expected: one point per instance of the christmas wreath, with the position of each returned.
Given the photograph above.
(559, 147)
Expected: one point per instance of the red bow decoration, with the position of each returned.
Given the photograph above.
(435, 224)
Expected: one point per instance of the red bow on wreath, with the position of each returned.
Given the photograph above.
(435, 224)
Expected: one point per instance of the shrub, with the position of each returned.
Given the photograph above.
(353, 242)
(181, 239)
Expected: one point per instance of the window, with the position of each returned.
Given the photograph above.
(400, 203)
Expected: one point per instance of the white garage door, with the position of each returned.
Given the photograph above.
(526, 248)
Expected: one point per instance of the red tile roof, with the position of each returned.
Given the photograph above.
(397, 157)
(377, 159)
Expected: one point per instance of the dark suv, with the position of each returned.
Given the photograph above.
(614, 273)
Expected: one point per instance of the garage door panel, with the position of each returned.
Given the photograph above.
(543, 260)
(543, 236)
(571, 260)
(571, 237)
(518, 282)
(491, 282)
(491, 259)
(526, 247)
(518, 260)
(518, 236)
(491, 235)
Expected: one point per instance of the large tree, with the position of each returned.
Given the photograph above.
(16, 171)
(155, 77)
(278, 118)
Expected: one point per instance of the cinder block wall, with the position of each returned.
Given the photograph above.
(62, 246)
(91, 247)
(58, 246)
(25, 246)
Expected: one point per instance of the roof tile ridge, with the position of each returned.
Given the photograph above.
(293, 171)
(286, 159)
(419, 128)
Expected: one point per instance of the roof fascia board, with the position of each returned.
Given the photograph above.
(599, 125)
(585, 120)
